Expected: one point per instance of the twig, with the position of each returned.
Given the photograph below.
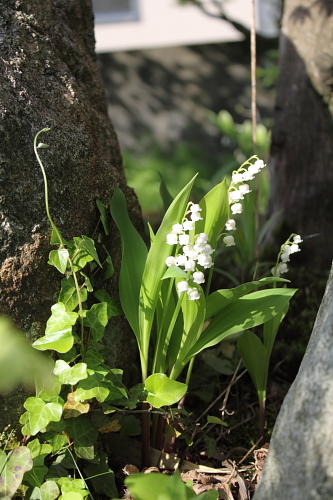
(250, 451)
(233, 381)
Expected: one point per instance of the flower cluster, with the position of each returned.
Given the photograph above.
(193, 253)
(238, 188)
(289, 247)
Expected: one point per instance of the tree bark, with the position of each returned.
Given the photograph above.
(302, 147)
(49, 78)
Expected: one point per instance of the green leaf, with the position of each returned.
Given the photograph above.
(39, 414)
(84, 436)
(155, 269)
(246, 312)
(215, 213)
(148, 486)
(193, 320)
(102, 477)
(97, 319)
(271, 329)
(130, 426)
(71, 496)
(70, 375)
(103, 217)
(215, 420)
(12, 469)
(174, 272)
(163, 391)
(73, 486)
(59, 259)
(68, 294)
(97, 386)
(86, 252)
(58, 330)
(39, 452)
(48, 389)
(134, 255)
(48, 491)
(216, 301)
(113, 308)
(165, 195)
(255, 359)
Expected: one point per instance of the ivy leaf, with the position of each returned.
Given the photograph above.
(39, 414)
(103, 217)
(12, 467)
(35, 476)
(86, 252)
(97, 319)
(70, 375)
(58, 333)
(113, 308)
(48, 491)
(72, 486)
(84, 436)
(68, 294)
(59, 259)
(73, 408)
(163, 391)
(97, 386)
(102, 477)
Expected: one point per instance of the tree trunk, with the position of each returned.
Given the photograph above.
(302, 146)
(49, 78)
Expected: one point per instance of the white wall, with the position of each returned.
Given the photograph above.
(164, 23)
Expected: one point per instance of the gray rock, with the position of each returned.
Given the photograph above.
(300, 459)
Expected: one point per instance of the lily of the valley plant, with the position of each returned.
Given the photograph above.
(160, 288)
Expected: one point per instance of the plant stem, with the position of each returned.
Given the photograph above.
(145, 443)
(54, 227)
(261, 423)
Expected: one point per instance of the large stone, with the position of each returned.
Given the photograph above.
(300, 459)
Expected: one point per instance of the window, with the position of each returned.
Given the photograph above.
(115, 11)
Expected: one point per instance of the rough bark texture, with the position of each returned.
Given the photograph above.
(300, 463)
(49, 78)
(302, 146)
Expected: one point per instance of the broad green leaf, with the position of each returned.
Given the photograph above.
(84, 436)
(68, 294)
(113, 308)
(39, 452)
(174, 272)
(165, 195)
(12, 468)
(215, 213)
(246, 312)
(163, 391)
(103, 217)
(97, 386)
(193, 320)
(148, 486)
(48, 389)
(97, 319)
(271, 329)
(73, 408)
(134, 255)
(254, 356)
(61, 341)
(102, 477)
(48, 491)
(215, 420)
(59, 259)
(70, 375)
(85, 252)
(216, 301)
(130, 426)
(71, 496)
(155, 269)
(73, 486)
(58, 333)
(38, 415)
